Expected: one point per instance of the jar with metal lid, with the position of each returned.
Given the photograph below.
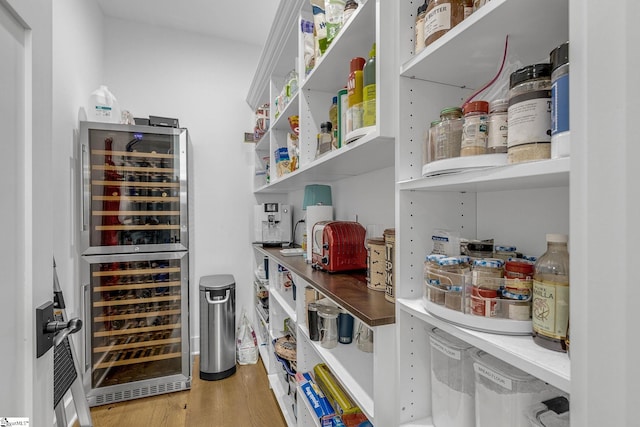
(429, 151)
(560, 140)
(419, 28)
(449, 133)
(498, 127)
(434, 289)
(518, 286)
(474, 128)
(453, 274)
(529, 114)
(442, 16)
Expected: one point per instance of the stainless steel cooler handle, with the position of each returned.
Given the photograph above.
(84, 199)
(217, 301)
(85, 305)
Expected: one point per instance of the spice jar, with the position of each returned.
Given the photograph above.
(389, 243)
(504, 252)
(429, 148)
(419, 28)
(560, 140)
(442, 15)
(434, 288)
(529, 114)
(518, 285)
(474, 128)
(487, 281)
(452, 271)
(449, 133)
(498, 127)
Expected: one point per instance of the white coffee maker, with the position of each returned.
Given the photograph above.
(272, 224)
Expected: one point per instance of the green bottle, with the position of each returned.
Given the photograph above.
(369, 89)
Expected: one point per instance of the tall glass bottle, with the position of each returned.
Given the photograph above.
(369, 89)
(550, 315)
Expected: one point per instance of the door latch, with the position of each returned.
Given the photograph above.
(49, 331)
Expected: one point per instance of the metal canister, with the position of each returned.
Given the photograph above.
(376, 265)
(389, 257)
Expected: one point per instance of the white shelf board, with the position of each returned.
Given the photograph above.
(284, 302)
(369, 153)
(481, 37)
(519, 351)
(264, 355)
(539, 174)
(355, 39)
(423, 422)
(283, 400)
(352, 368)
(282, 122)
(263, 144)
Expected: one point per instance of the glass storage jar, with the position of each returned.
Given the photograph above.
(434, 288)
(429, 150)
(518, 284)
(529, 114)
(442, 15)
(474, 128)
(498, 127)
(453, 272)
(449, 133)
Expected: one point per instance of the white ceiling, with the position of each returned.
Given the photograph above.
(246, 21)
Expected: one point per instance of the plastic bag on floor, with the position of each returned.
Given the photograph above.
(247, 344)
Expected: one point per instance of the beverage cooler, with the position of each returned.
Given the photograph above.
(135, 270)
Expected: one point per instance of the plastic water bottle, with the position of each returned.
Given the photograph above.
(103, 106)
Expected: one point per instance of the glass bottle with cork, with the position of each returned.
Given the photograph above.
(550, 304)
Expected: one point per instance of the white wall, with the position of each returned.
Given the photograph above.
(77, 70)
(202, 81)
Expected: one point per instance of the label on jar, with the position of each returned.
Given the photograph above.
(474, 131)
(438, 19)
(420, 34)
(498, 131)
(519, 311)
(529, 118)
(550, 308)
(501, 380)
(560, 105)
(447, 351)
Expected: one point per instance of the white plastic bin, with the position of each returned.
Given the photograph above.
(452, 381)
(504, 393)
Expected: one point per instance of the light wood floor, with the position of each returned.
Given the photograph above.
(243, 399)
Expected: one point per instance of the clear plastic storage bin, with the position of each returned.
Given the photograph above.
(504, 394)
(452, 381)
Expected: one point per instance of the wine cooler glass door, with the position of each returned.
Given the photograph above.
(135, 191)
